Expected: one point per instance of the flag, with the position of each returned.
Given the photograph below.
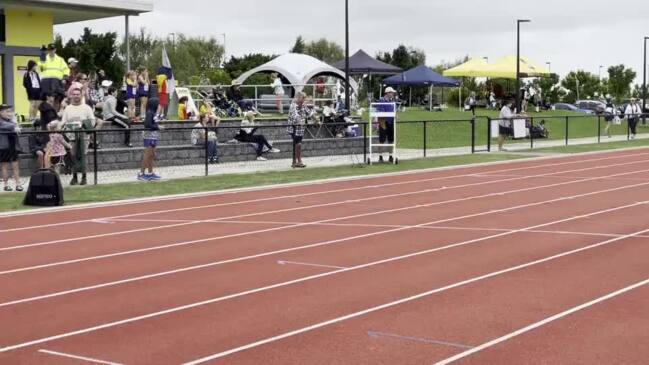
(166, 66)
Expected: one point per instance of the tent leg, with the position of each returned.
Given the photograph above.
(430, 99)
(459, 100)
(410, 98)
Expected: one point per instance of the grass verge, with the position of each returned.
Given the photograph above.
(110, 192)
(594, 147)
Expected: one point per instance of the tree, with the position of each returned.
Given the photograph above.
(324, 50)
(619, 81)
(589, 85)
(404, 57)
(142, 48)
(549, 87)
(299, 46)
(94, 52)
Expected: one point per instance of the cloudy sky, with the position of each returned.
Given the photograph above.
(569, 34)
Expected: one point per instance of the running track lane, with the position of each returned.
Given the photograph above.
(271, 193)
(57, 278)
(388, 281)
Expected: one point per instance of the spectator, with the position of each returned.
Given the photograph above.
(77, 118)
(471, 102)
(101, 76)
(298, 114)
(9, 146)
(72, 65)
(53, 72)
(103, 90)
(234, 94)
(632, 112)
(110, 114)
(143, 82)
(278, 90)
(207, 109)
(247, 134)
(56, 147)
(150, 136)
(330, 116)
(38, 141)
(183, 113)
(131, 93)
(163, 93)
(492, 100)
(32, 84)
(386, 125)
(610, 115)
(82, 81)
(211, 142)
(505, 123)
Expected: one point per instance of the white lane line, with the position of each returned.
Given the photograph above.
(374, 334)
(210, 239)
(538, 324)
(76, 357)
(331, 273)
(406, 300)
(59, 241)
(284, 262)
(292, 249)
(321, 192)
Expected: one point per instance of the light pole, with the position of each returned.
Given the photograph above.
(224, 49)
(347, 88)
(599, 79)
(518, 62)
(644, 80)
(549, 66)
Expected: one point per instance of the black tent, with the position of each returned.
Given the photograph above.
(362, 63)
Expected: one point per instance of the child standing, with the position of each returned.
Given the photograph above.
(56, 148)
(150, 136)
(131, 93)
(9, 146)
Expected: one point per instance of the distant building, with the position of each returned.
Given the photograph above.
(26, 25)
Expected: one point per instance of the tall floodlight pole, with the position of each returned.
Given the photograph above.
(644, 80)
(549, 66)
(347, 87)
(518, 62)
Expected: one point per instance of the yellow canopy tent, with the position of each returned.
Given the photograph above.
(504, 67)
(475, 67)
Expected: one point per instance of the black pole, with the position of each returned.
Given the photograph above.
(347, 88)
(599, 129)
(566, 131)
(365, 143)
(488, 134)
(518, 66)
(473, 135)
(205, 148)
(425, 136)
(94, 157)
(531, 134)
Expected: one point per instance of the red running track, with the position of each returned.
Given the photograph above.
(543, 261)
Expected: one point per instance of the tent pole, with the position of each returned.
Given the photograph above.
(410, 98)
(459, 101)
(430, 99)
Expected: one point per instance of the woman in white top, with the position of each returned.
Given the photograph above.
(278, 90)
(505, 122)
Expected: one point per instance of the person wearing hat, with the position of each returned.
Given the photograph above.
(632, 113)
(9, 146)
(386, 125)
(53, 71)
(32, 84)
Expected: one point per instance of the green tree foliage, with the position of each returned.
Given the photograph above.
(299, 46)
(589, 85)
(619, 81)
(94, 52)
(324, 50)
(549, 87)
(404, 57)
(142, 48)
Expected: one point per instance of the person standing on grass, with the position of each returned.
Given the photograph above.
(150, 136)
(298, 114)
(78, 118)
(9, 146)
(278, 90)
(386, 125)
(632, 113)
(505, 123)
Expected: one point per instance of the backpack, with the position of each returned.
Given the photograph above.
(44, 189)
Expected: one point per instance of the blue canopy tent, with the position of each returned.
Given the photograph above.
(421, 76)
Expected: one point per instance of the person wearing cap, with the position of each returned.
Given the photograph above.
(32, 85)
(632, 113)
(9, 147)
(53, 71)
(386, 125)
(72, 65)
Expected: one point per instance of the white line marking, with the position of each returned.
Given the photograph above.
(313, 193)
(76, 357)
(404, 300)
(375, 334)
(331, 273)
(542, 323)
(283, 262)
(292, 249)
(178, 244)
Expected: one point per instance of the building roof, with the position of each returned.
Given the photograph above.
(69, 11)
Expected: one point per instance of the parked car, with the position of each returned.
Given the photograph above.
(572, 108)
(596, 106)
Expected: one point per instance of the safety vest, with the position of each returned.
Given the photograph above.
(54, 68)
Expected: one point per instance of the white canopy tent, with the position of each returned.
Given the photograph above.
(298, 69)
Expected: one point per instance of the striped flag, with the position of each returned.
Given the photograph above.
(166, 66)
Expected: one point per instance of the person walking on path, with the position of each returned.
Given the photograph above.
(632, 114)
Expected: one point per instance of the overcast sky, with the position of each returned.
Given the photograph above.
(569, 34)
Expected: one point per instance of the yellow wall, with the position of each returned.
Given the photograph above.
(21, 103)
(28, 28)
